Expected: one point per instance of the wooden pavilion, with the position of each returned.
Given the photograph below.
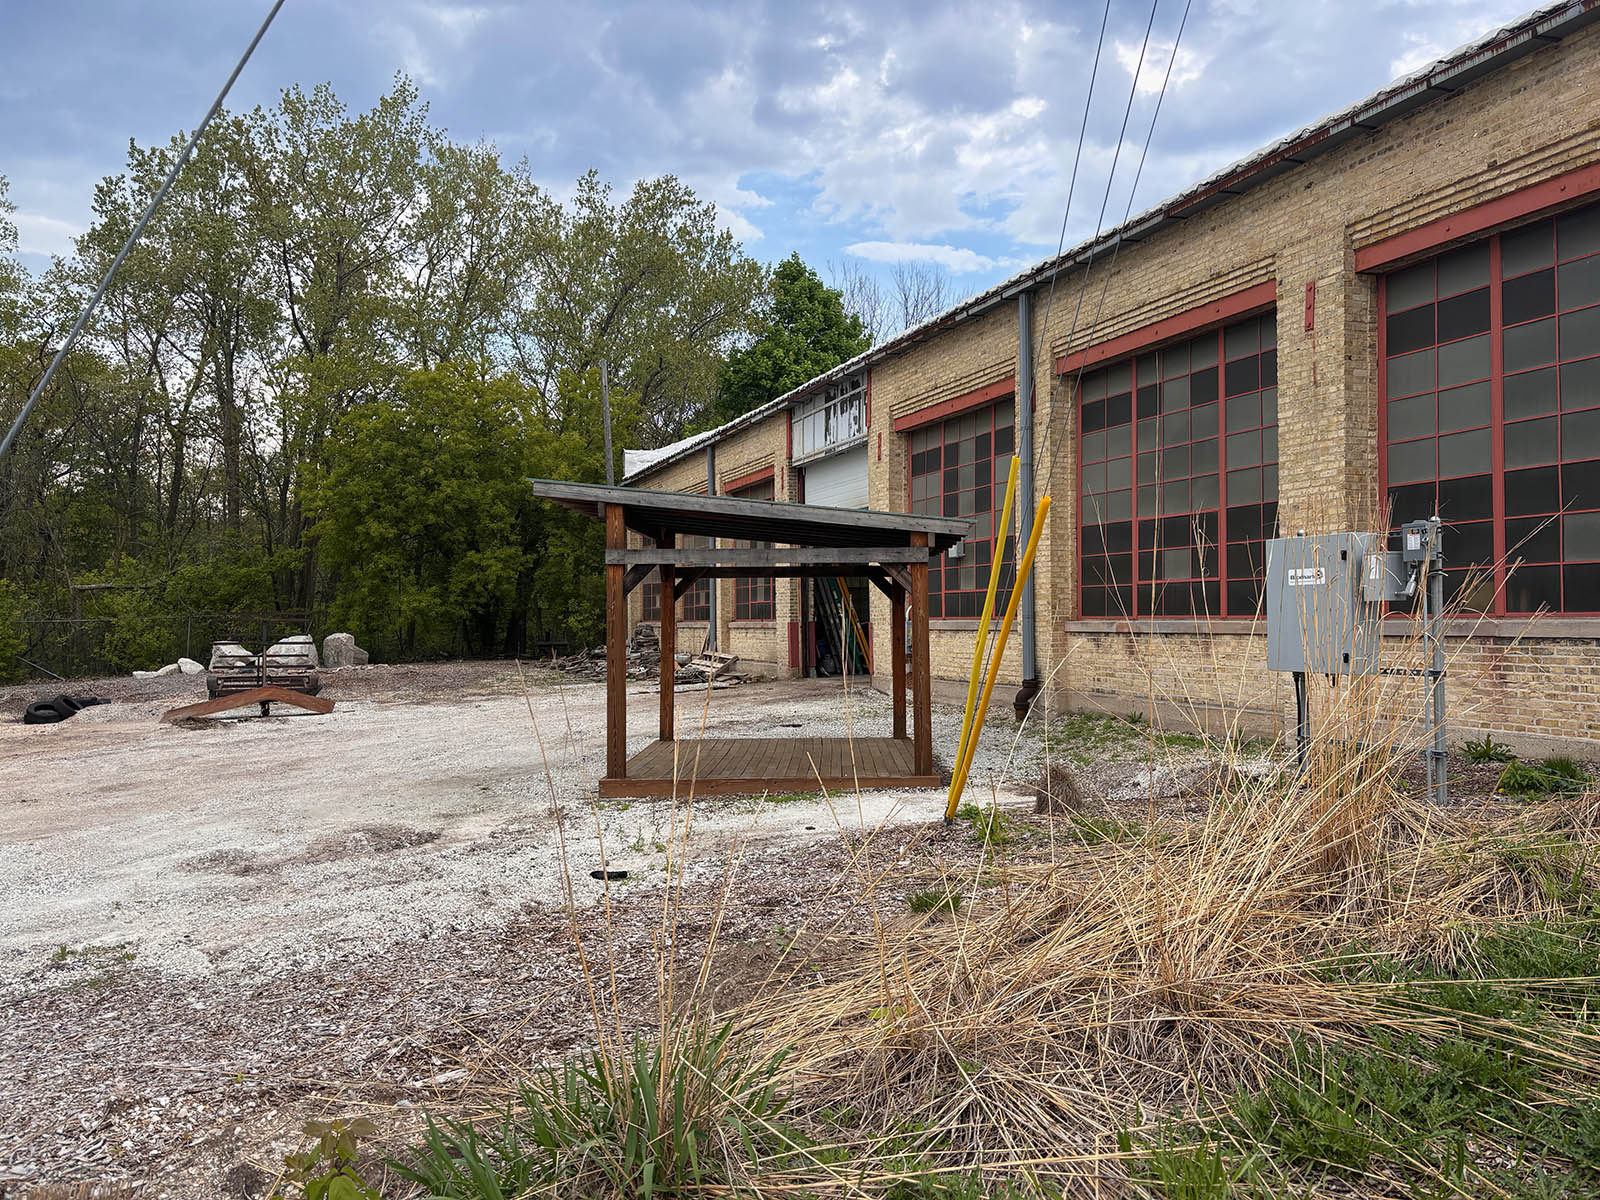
(891, 549)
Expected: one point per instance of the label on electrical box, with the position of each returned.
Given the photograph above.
(1306, 577)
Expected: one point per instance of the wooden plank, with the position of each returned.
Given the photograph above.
(635, 576)
(259, 695)
(921, 669)
(766, 556)
(897, 635)
(616, 651)
(669, 648)
(613, 789)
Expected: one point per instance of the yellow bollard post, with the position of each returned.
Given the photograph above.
(958, 780)
(988, 610)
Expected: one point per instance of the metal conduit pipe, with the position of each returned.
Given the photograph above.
(711, 490)
(1024, 426)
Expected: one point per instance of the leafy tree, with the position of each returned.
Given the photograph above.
(807, 332)
(651, 286)
(418, 510)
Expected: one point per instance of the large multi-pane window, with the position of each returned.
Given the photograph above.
(754, 599)
(1178, 483)
(958, 469)
(1491, 383)
(695, 605)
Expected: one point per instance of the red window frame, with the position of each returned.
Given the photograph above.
(695, 604)
(1178, 475)
(1522, 513)
(650, 591)
(958, 468)
(755, 598)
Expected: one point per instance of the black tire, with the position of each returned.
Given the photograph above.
(67, 705)
(42, 712)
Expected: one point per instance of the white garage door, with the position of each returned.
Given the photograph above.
(839, 481)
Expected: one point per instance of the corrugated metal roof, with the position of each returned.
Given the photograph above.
(651, 511)
(1541, 27)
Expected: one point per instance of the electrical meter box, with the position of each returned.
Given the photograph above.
(1319, 617)
(1387, 577)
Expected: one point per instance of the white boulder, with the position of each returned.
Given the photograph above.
(340, 650)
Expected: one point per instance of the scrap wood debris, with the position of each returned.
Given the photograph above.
(644, 662)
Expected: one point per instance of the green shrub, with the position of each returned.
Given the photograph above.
(12, 645)
(1559, 776)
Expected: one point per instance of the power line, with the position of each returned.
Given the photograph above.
(1077, 157)
(1053, 446)
(138, 229)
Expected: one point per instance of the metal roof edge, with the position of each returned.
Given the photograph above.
(1543, 26)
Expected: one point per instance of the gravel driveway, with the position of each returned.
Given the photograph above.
(212, 932)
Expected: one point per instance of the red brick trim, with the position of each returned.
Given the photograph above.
(976, 398)
(749, 479)
(1251, 299)
(1482, 218)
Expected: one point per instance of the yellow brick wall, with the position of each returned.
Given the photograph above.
(762, 646)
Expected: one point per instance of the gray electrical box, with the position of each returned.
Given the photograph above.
(1387, 577)
(1319, 617)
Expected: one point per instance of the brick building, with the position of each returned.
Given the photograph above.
(1393, 311)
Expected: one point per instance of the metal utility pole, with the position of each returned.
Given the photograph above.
(605, 419)
(1438, 776)
(138, 229)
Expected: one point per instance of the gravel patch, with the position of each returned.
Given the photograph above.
(213, 933)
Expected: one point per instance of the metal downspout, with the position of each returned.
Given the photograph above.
(1024, 414)
(711, 490)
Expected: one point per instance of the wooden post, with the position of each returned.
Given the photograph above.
(897, 656)
(669, 642)
(921, 671)
(616, 651)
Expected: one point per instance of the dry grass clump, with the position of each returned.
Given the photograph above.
(1154, 975)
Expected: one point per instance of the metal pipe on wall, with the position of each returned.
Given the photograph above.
(1025, 508)
(711, 490)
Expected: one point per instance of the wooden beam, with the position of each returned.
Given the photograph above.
(921, 668)
(897, 634)
(880, 580)
(616, 650)
(789, 572)
(688, 579)
(669, 646)
(259, 695)
(635, 576)
(899, 574)
(769, 556)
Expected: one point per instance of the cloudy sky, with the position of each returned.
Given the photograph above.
(902, 129)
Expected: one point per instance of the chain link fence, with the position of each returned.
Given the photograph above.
(75, 647)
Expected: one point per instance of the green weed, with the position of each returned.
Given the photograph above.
(1486, 751)
(934, 900)
(1554, 776)
(989, 825)
(652, 1121)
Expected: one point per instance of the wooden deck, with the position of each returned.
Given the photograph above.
(737, 766)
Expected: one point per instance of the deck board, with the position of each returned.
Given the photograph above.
(733, 766)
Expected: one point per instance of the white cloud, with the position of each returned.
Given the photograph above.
(953, 258)
(39, 234)
(1186, 67)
